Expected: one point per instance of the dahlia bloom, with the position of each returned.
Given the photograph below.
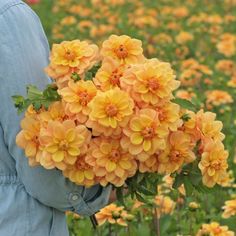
(111, 108)
(213, 164)
(144, 134)
(218, 97)
(203, 125)
(229, 208)
(169, 115)
(164, 205)
(80, 172)
(227, 45)
(62, 143)
(111, 163)
(28, 139)
(77, 96)
(109, 75)
(214, 229)
(178, 151)
(123, 49)
(150, 82)
(71, 56)
(113, 214)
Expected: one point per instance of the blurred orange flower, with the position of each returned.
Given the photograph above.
(122, 48)
(213, 163)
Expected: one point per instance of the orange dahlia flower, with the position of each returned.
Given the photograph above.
(218, 97)
(55, 112)
(123, 49)
(61, 143)
(214, 229)
(169, 115)
(229, 208)
(111, 163)
(111, 108)
(113, 214)
(213, 164)
(150, 82)
(144, 134)
(28, 139)
(203, 125)
(77, 96)
(177, 152)
(71, 56)
(109, 75)
(81, 172)
(164, 205)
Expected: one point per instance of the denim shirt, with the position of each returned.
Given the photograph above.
(33, 200)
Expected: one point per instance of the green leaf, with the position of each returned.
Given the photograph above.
(75, 77)
(186, 104)
(145, 191)
(178, 181)
(188, 186)
(140, 198)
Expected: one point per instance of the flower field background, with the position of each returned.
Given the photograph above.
(198, 38)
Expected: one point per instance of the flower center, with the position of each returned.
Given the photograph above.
(217, 230)
(69, 55)
(121, 52)
(63, 145)
(115, 155)
(35, 139)
(216, 166)
(81, 164)
(174, 156)
(111, 110)
(161, 115)
(148, 132)
(115, 77)
(84, 98)
(153, 84)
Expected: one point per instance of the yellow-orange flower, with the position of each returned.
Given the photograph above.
(178, 151)
(214, 229)
(113, 214)
(81, 172)
(213, 164)
(111, 163)
(109, 75)
(226, 66)
(62, 143)
(227, 45)
(229, 208)
(71, 56)
(144, 134)
(203, 125)
(183, 37)
(169, 115)
(218, 97)
(150, 82)
(28, 139)
(111, 108)
(164, 205)
(185, 94)
(77, 96)
(73, 53)
(56, 112)
(123, 48)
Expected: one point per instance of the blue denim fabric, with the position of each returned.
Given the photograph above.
(32, 200)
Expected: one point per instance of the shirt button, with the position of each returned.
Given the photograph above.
(75, 197)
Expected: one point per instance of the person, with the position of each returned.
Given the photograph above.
(33, 200)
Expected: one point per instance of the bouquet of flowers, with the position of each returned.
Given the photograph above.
(111, 117)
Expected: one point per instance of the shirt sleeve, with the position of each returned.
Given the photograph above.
(24, 54)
